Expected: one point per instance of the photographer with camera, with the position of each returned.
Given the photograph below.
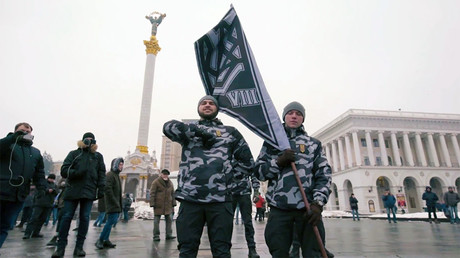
(20, 164)
(84, 170)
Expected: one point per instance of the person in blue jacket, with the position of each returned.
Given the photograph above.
(389, 202)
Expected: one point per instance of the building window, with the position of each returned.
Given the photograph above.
(363, 142)
(378, 161)
(387, 144)
(366, 161)
(375, 142)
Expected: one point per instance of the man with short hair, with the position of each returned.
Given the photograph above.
(162, 201)
(20, 164)
(283, 193)
(451, 199)
(212, 155)
(84, 170)
(43, 204)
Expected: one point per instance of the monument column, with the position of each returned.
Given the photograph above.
(152, 49)
(407, 150)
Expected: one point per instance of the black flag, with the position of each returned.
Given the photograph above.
(230, 74)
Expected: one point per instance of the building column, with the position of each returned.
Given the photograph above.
(453, 138)
(123, 182)
(348, 149)
(327, 149)
(357, 148)
(383, 149)
(420, 153)
(341, 156)
(407, 150)
(334, 156)
(445, 151)
(394, 146)
(370, 151)
(432, 150)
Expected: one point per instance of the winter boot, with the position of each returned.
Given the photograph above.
(58, 253)
(253, 253)
(99, 244)
(429, 220)
(436, 221)
(109, 244)
(78, 251)
(53, 241)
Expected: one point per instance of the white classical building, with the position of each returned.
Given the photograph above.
(370, 151)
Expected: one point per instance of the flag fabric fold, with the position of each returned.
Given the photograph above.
(230, 74)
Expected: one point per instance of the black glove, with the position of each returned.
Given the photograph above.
(314, 215)
(286, 158)
(18, 134)
(100, 194)
(208, 139)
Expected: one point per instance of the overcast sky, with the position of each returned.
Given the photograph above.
(68, 67)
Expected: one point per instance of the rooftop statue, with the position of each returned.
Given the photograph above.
(155, 18)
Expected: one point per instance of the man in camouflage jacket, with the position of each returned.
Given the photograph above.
(212, 155)
(283, 195)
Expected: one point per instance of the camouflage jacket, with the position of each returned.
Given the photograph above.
(243, 186)
(206, 174)
(312, 166)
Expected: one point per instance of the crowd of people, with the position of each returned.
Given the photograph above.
(217, 177)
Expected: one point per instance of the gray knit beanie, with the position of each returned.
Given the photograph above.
(294, 106)
(208, 97)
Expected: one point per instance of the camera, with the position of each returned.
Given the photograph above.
(28, 137)
(88, 141)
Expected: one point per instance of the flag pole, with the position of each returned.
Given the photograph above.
(307, 206)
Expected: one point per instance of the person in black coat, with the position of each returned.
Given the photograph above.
(431, 199)
(84, 170)
(354, 206)
(43, 203)
(20, 164)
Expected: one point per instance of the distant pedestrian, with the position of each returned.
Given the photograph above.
(28, 207)
(113, 202)
(431, 199)
(242, 188)
(60, 205)
(84, 170)
(162, 201)
(389, 202)
(451, 199)
(354, 206)
(127, 201)
(101, 209)
(260, 207)
(43, 204)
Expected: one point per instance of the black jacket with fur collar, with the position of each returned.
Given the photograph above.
(84, 169)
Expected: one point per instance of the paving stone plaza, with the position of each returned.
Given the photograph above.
(344, 238)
